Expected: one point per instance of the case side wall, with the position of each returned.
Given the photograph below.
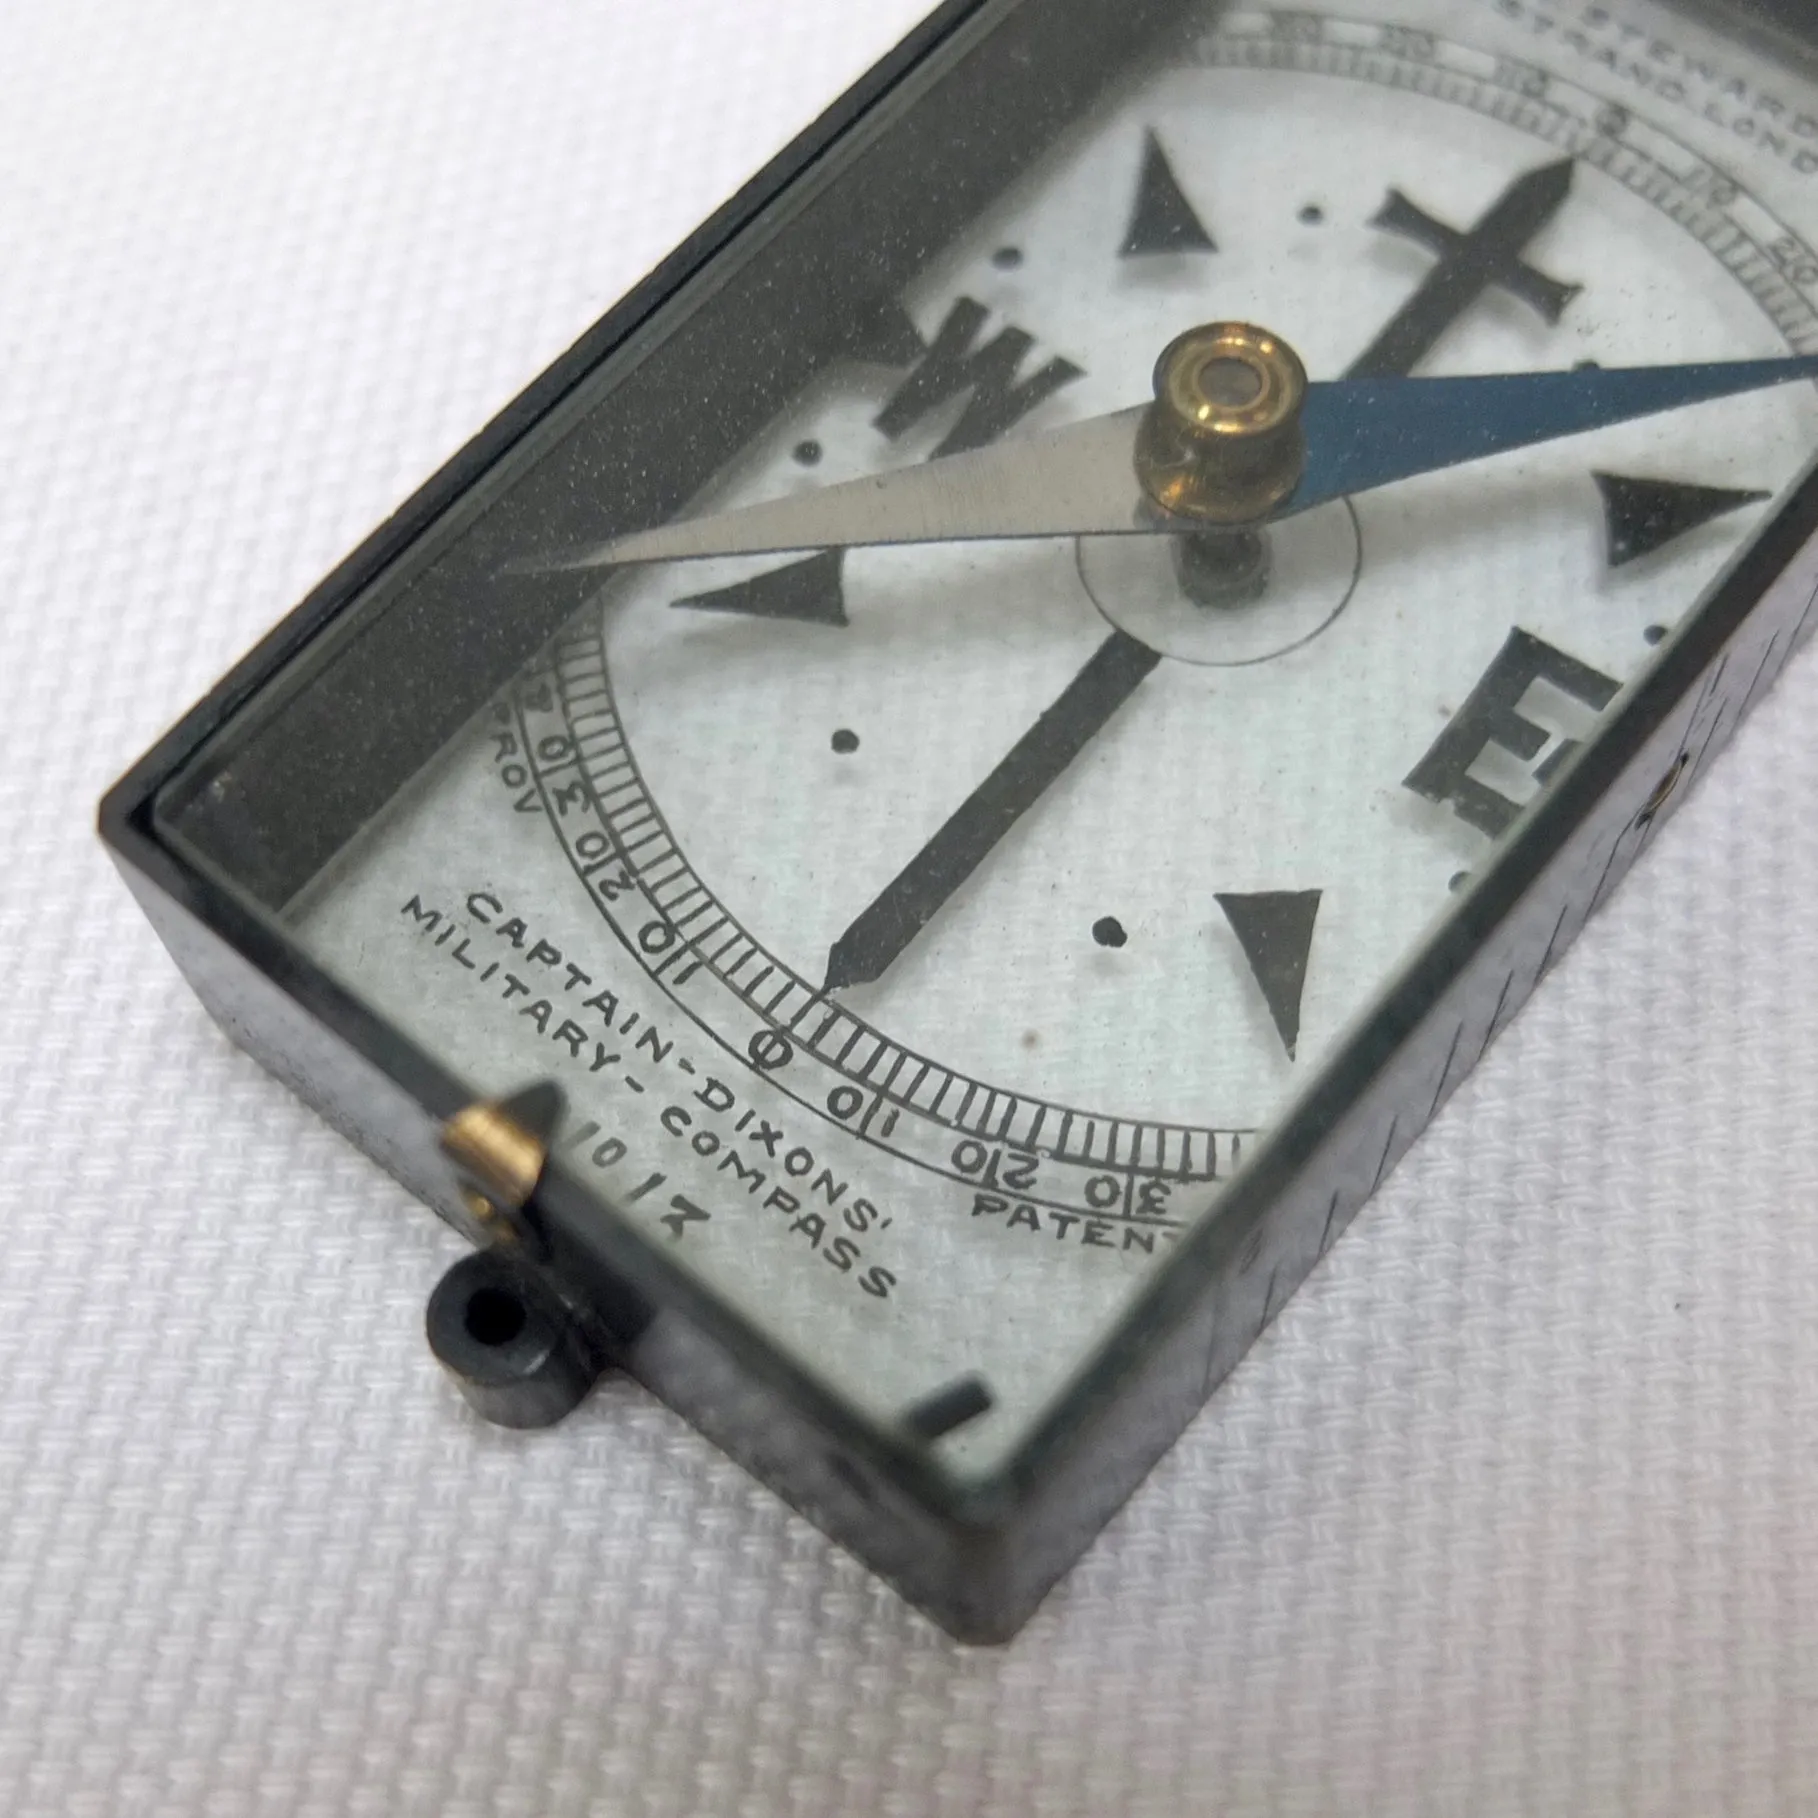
(1138, 1415)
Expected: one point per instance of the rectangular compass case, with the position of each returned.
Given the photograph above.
(857, 1366)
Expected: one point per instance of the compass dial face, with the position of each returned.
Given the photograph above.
(921, 934)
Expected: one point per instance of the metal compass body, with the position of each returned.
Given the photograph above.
(941, 842)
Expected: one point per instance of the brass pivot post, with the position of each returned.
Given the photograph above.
(1222, 442)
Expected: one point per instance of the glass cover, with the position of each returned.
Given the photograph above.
(921, 932)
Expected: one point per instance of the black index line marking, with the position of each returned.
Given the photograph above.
(1445, 1072)
(967, 837)
(948, 1408)
(1382, 1167)
(1325, 1237)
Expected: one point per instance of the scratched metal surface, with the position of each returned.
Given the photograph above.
(1511, 1510)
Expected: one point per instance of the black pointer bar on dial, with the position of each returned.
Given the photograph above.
(1360, 434)
(900, 912)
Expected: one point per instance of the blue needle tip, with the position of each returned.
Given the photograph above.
(1364, 433)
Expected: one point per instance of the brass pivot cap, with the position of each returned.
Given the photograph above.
(1222, 442)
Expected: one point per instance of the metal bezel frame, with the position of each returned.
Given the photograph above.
(977, 1556)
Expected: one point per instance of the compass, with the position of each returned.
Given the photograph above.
(904, 840)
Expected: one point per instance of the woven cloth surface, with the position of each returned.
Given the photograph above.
(1514, 1510)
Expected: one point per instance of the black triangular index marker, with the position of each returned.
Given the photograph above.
(1641, 516)
(1275, 930)
(808, 589)
(1162, 219)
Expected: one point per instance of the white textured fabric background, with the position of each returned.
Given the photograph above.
(1515, 1510)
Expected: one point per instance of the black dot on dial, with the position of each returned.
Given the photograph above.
(1458, 880)
(845, 742)
(807, 453)
(1007, 258)
(1108, 931)
(1587, 366)
(1654, 633)
(1312, 214)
